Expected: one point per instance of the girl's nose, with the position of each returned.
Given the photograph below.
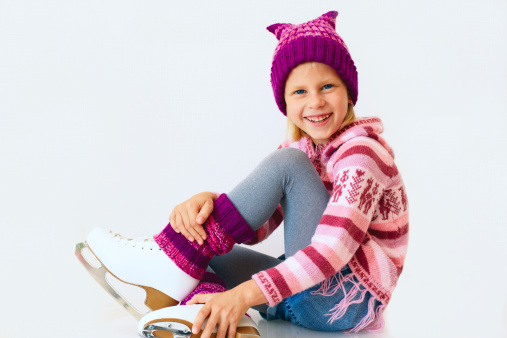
(315, 101)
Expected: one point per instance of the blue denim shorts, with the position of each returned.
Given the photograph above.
(318, 308)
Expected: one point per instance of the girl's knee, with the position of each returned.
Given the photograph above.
(287, 162)
(289, 156)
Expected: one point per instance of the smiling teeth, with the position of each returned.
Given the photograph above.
(318, 120)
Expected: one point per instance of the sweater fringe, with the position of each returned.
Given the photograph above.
(373, 320)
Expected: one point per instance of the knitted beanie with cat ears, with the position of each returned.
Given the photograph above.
(315, 40)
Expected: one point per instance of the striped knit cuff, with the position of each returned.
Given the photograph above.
(190, 257)
(210, 283)
(224, 227)
(230, 220)
(268, 287)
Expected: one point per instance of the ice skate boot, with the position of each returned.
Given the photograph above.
(177, 322)
(139, 262)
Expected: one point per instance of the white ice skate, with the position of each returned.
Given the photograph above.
(138, 262)
(177, 322)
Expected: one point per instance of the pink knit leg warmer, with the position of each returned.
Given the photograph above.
(210, 283)
(223, 228)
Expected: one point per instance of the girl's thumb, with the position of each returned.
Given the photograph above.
(204, 213)
(192, 300)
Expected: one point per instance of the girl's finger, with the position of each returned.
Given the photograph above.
(194, 235)
(187, 226)
(197, 227)
(196, 299)
(180, 227)
(172, 221)
(232, 331)
(200, 318)
(222, 329)
(177, 220)
(210, 326)
(204, 213)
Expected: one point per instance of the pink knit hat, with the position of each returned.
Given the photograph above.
(315, 40)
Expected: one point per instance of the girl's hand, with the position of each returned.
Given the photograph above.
(187, 218)
(225, 309)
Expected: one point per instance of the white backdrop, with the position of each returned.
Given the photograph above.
(112, 112)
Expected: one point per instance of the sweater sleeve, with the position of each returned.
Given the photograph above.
(342, 228)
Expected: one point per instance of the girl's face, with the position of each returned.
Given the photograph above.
(317, 100)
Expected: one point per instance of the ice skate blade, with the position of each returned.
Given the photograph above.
(179, 328)
(155, 299)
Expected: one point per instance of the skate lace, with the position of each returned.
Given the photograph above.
(142, 242)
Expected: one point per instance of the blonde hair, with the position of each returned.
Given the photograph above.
(295, 133)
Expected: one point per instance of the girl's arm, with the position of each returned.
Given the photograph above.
(344, 223)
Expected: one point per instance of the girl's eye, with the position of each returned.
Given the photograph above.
(328, 86)
(299, 91)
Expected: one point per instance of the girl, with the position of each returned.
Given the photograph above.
(333, 182)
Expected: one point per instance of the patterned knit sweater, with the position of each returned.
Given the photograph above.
(364, 225)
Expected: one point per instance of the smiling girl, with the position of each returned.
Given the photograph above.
(334, 184)
(317, 102)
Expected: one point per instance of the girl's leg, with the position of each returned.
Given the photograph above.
(285, 173)
(285, 177)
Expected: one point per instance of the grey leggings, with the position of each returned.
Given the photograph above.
(286, 177)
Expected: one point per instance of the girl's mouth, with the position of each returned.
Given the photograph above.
(319, 119)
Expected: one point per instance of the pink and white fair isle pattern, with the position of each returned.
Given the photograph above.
(364, 225)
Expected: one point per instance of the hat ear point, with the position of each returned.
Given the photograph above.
(330, 17)
(331, 14)
(272, 28)
(278, 28)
